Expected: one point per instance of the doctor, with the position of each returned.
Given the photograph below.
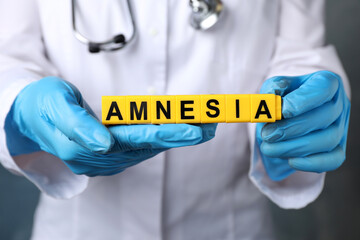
(50, 91)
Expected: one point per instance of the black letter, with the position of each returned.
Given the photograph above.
(266, 110)
(138, 113)
(237, 108)
(217, 111)
(183, 109)
(117, 113)
(159, 107)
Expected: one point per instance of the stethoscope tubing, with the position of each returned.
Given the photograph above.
(102, 45)
(204, 17)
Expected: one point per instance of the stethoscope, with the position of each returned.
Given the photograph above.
(204, 15)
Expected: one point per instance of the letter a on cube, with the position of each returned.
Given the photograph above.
(113, 110)
(263, 108)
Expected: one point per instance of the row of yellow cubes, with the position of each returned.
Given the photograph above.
(229, 108)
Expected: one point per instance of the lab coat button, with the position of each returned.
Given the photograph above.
(153, 32)
(151, 90)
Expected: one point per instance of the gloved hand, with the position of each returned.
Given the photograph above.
(312, 135)
(51, 115)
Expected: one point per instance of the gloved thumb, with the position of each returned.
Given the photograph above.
(68, 112)
(303, 93)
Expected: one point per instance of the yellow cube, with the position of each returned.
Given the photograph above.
(263, 108)
(113, 110)
(238, 108)
(163, 109)
(138, 109)
(188, 109)
(213, 108)
(191, 109)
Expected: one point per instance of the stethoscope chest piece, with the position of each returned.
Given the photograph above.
(205, 13)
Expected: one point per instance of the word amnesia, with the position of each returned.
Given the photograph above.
(229, 108)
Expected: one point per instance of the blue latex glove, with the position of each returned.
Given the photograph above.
(50, 115)
(312, 136)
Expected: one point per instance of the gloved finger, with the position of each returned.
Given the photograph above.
(320, 162)
(144, 153)
(208, 131)
(282, 85)
(117, 163)
(65, 113)
(319, 118)
(135, 137)
(141, 154)
(304, 93)
(346, 116)
(319, 141)
(110, 172)
(72, 153)
(316, 90)
(277, 168)
(93, 167)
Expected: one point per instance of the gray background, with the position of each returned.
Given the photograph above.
(335, 215)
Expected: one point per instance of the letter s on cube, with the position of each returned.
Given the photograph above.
(213, 108)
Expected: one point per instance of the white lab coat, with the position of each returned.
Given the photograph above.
(211, 191)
